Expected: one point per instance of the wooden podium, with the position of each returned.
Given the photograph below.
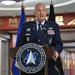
(49, 55)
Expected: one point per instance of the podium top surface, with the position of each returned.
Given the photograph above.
(48, 50)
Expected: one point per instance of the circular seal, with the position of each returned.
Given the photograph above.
(30, 58)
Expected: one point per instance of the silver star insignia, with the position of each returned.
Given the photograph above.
(31, 59)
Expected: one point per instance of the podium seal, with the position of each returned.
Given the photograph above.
(30, 58)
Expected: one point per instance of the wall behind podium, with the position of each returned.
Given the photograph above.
(4, 54)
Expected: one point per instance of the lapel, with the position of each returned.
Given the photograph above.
(34, 30)
(46, 23)
(41, 32)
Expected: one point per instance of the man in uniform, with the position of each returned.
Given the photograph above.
(41, 32)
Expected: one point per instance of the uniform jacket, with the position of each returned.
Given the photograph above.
(52, 37)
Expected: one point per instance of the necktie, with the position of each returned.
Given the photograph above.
(39, 27)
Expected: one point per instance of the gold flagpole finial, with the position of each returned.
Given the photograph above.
(22, 5)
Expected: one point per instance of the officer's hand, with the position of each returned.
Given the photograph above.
(56, 54)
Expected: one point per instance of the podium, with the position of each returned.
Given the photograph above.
(49, 55)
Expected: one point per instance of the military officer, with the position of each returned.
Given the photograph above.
(47, 33)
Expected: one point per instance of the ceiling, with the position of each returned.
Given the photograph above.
(60, 6)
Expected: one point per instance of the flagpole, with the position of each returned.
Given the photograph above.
(22, 5)
(51, 1)
(22, 2)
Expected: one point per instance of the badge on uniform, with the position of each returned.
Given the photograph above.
(28, 38)
(50, 28)
(51, 32)
(50, 40)
(28, 29)
(34, 28)
(27, 34)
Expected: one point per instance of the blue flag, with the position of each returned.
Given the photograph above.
(15, 70)
(22, 20)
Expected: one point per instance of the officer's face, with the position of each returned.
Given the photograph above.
(40, 12)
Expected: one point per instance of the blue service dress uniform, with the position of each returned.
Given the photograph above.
(52, 37)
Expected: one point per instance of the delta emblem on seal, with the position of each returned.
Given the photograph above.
(30, 58)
